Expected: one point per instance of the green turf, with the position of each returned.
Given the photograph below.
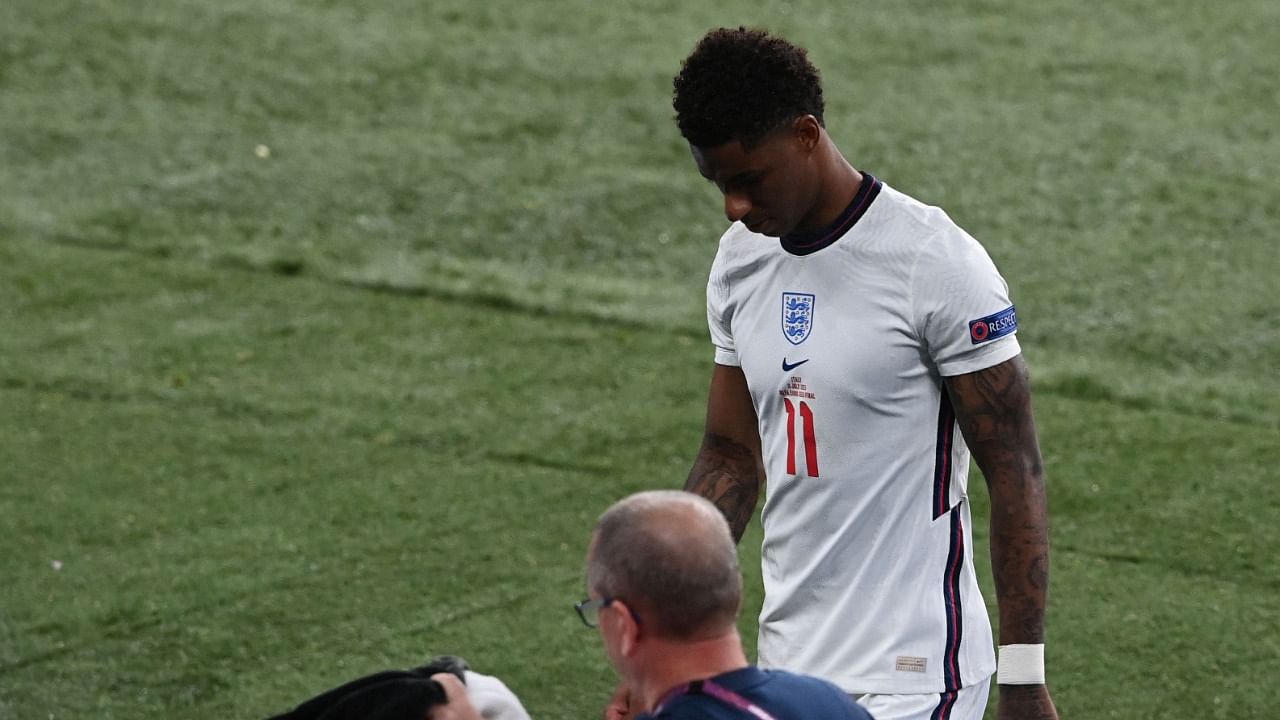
(287, 415)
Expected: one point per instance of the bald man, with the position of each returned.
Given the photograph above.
(664, 590)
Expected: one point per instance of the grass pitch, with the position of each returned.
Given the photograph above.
(329, 331)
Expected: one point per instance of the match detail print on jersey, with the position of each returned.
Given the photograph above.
(797, 316)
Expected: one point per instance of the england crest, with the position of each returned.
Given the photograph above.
(797, 316)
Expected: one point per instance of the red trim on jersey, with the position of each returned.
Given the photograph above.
(942, 469)
(951, 601)
(946, 702)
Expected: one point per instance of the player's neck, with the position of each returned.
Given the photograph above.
(839, 185)
(676, 664)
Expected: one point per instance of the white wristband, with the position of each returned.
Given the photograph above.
(1021, 665)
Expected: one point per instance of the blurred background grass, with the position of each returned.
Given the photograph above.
(329, 329)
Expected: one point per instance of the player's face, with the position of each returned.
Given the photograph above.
(772, 186)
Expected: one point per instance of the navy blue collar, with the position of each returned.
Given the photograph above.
(811, 242)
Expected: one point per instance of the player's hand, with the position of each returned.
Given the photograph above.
(459, 706)
(1025, 702)
(619, 707)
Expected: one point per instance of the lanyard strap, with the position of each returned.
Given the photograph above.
(719, 692)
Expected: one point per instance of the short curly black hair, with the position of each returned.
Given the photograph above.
(741, 84)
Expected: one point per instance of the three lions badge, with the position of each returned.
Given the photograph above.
(797, 316)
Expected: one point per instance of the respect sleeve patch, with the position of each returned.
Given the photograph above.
(994, 326)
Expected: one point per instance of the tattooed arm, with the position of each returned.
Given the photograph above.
(728, 470)
(993, 407)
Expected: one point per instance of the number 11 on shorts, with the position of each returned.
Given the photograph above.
(810, 440)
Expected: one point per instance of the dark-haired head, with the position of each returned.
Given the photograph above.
(742, 85)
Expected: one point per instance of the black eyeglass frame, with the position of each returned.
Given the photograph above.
(593, 607)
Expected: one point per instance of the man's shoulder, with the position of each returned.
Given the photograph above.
(817, 697)
(738, 240)
(902, 215)
(742, 692)
(784, 693)
(742, 251)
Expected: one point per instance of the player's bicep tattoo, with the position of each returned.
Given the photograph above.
(726, 472)
(993, 409)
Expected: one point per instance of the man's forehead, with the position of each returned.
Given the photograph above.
(724, 160)
(701, 159)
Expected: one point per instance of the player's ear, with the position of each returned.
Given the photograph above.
(807, 131)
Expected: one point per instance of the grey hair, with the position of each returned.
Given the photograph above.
(670, 555)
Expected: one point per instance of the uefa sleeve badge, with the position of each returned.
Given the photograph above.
(994, 326)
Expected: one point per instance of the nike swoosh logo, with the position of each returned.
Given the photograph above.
(788, 367)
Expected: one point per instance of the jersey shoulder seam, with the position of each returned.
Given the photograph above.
(911, 277)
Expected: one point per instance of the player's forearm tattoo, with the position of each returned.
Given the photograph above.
(727, 474)
(993, 407)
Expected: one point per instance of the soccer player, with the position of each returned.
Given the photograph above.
(864, 345)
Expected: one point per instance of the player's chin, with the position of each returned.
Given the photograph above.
(766, 227)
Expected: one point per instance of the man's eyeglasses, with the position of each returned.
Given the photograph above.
(589, 610)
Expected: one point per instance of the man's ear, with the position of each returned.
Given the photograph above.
(627, 629)
(807, 131)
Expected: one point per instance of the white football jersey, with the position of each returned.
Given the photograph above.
(844, 338)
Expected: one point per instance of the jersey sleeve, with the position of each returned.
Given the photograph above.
(961, 306)
(720, 315)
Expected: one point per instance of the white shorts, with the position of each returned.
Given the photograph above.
(968, 703)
